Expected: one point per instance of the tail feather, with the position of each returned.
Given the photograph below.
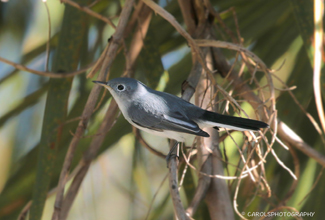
(232, 122)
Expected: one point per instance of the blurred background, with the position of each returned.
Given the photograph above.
(125, 179)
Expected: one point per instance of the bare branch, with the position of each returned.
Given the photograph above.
(25, 210)
(211, 188)
(283, 165)
(173, 188)
(90, 105)
(144, 18)
(294, 184)
(46, 74)
(205, 147)
(134, 18)
(244, 173)
(154, 197)
(231, 46)
(289, 136)
(308, 115)
(98, 63)
(90, 12)
(91, 153)
(188, 15)
(140, 139)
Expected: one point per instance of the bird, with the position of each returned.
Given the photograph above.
(167, 115)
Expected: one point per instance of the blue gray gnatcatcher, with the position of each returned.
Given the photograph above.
(167, 115)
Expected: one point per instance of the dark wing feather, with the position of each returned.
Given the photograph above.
(151, 127)
(173, 122)
(178, 123)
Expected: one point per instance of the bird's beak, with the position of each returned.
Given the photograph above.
(101, 83)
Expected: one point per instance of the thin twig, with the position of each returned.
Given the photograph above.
(294, 184)
(46, 74)
(90, 12)
(98, 63)
(238, 184)
(283, 165)
(154, 196)
(187, 160)
(243, 158)
(313, 186)
(308, 115)
(231, 46)
(144, 143)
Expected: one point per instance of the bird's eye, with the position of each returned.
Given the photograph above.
(120, 87)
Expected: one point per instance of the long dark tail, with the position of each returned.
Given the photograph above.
(233, 122)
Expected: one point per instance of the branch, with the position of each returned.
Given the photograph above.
(89, 155)
(46, 74)
(289, 136)
(231, 46)
(134, 18)
(188, 88)
(90, 105)
(24, 212)
(205, 147)
(190, 85)
(144, 18)
(188, 15)
(98, 63)
(216, 193)
(90, 12)
(144, 143)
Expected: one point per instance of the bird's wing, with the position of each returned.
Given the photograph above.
(173, 122)
(177, 122)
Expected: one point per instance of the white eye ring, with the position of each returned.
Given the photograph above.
(120, 87)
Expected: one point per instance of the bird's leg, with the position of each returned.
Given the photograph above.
(171, 153)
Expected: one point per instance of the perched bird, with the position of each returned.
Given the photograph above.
(167, 115)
